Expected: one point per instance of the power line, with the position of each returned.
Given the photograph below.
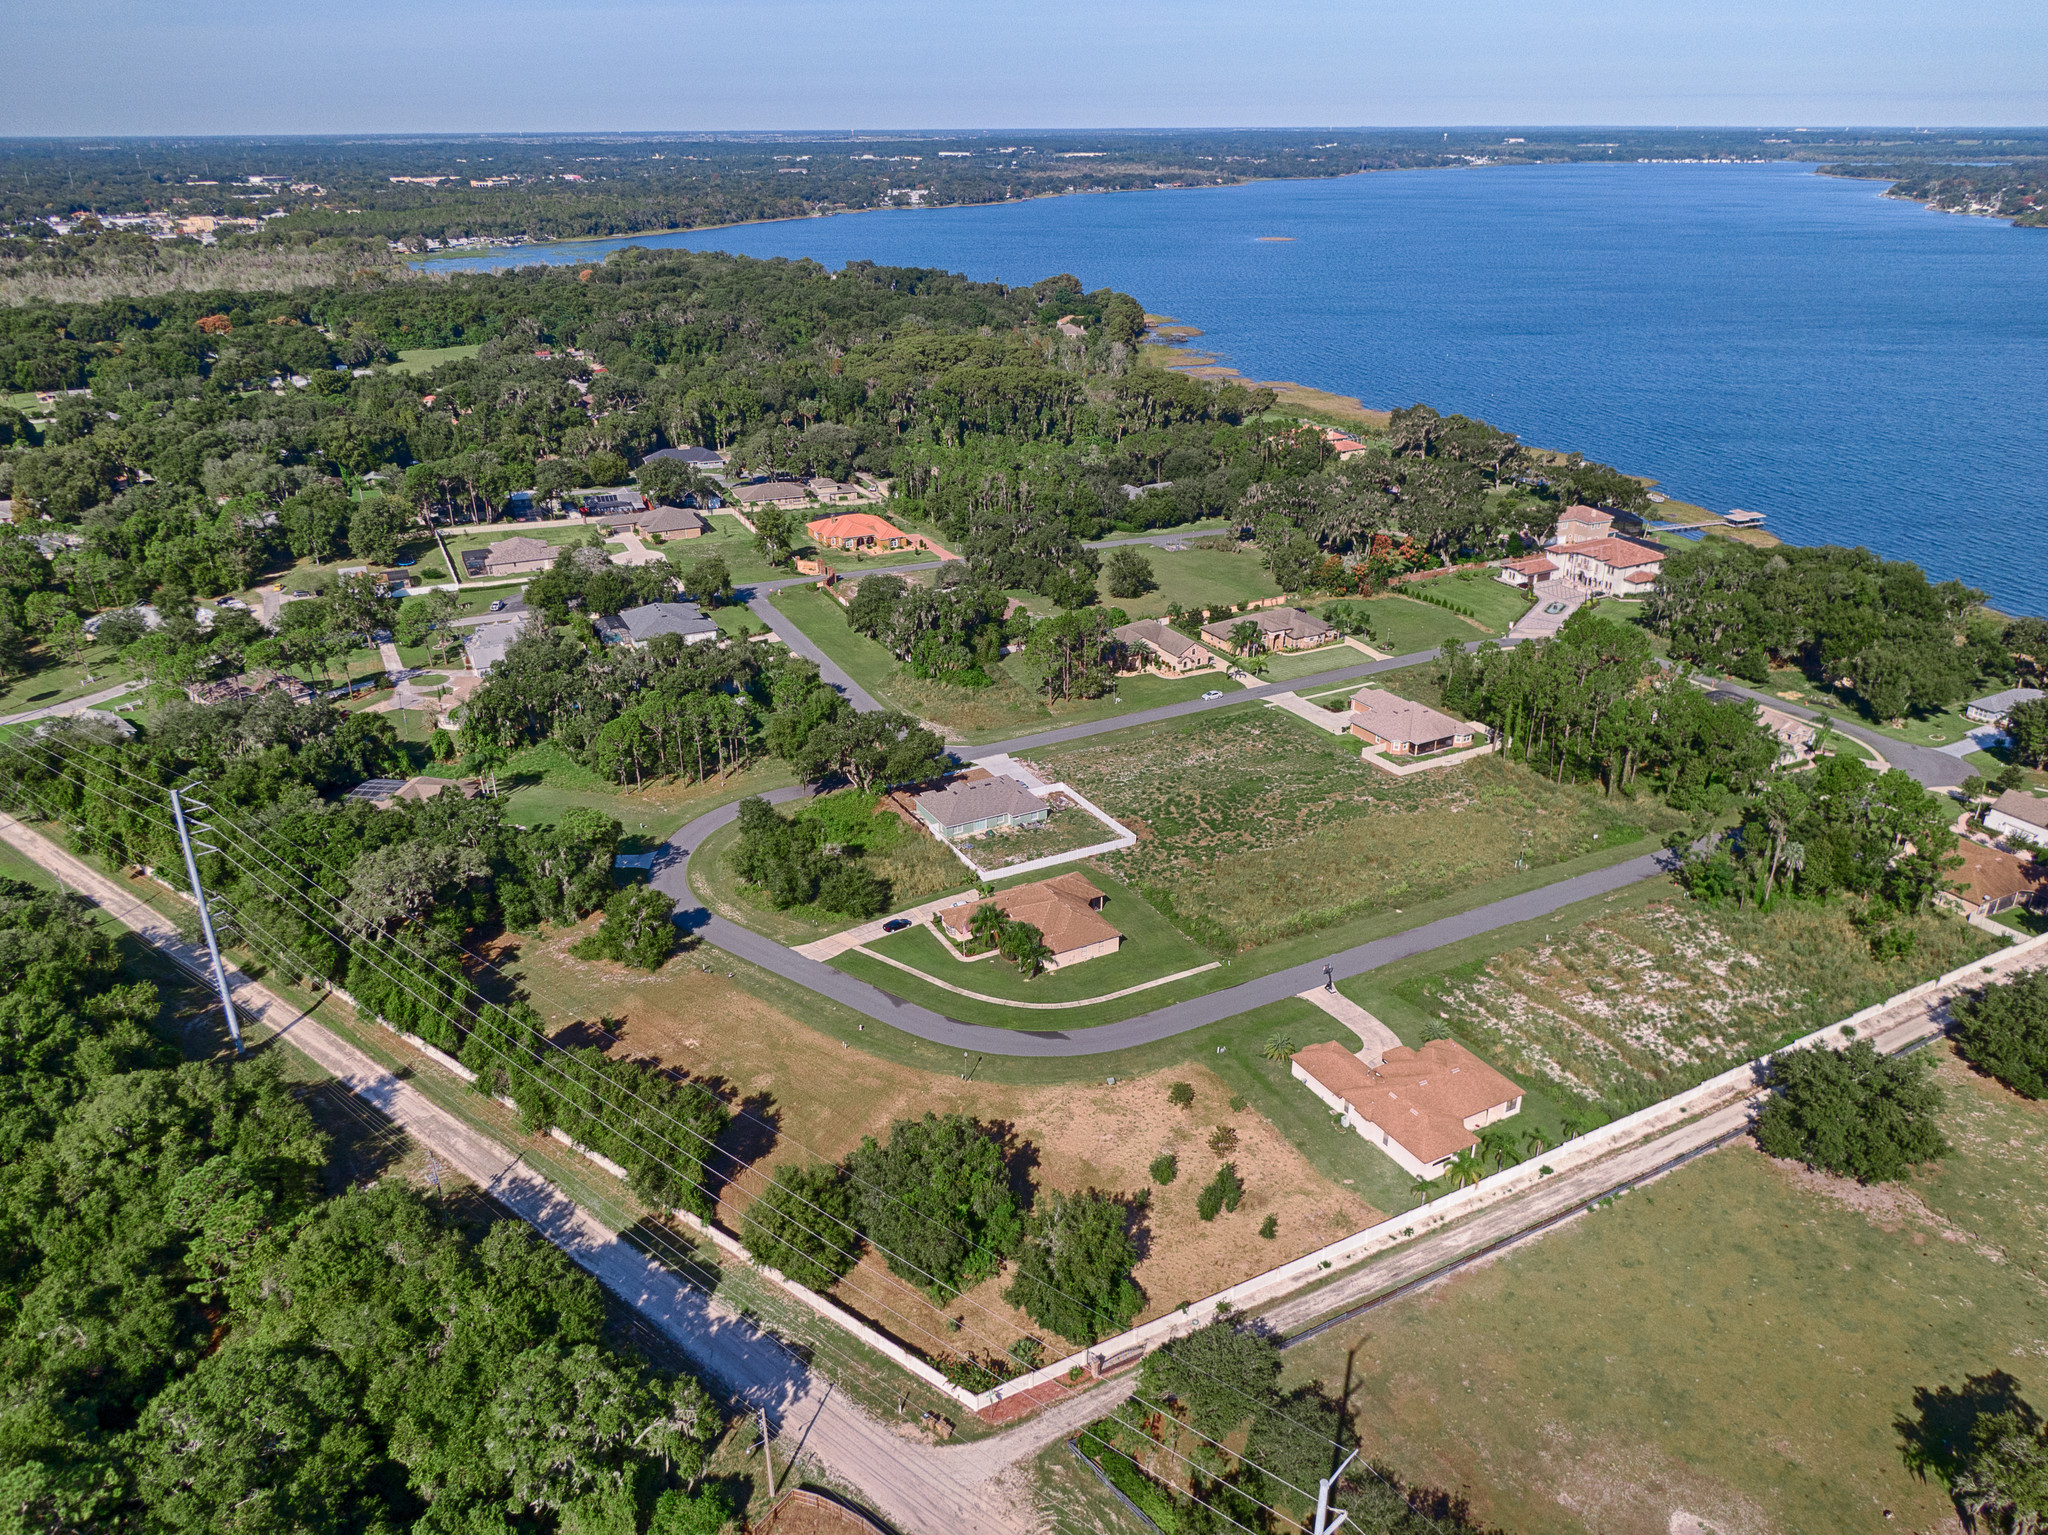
(1253, 1402)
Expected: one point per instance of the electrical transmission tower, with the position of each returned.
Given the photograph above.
(220, 975)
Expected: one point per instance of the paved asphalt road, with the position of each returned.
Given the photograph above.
(1933, 769)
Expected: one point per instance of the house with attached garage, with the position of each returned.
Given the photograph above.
(1403, 728)
(2019, 814)
(1993, 710)
(1279, 629)
(1066, 910)
(637, 627)
(1615, 567)
(1421, 1107)
(1155, 645)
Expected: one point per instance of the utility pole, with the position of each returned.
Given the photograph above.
(768, 1453)
(1325, 1525)
(220, 976)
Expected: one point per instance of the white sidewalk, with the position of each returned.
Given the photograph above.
(1379, 1039)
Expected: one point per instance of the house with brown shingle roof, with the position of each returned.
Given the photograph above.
(1067, 909)
(1404, 728)
(1155, 644)
(1279, 629)
(1991, 881)
(1421, 1107)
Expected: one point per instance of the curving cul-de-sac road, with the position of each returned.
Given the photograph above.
(671, 876)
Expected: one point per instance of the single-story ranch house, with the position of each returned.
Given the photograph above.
(1279, 629)
(702, 460)
(770, 493)
(863, 531)
(383, 793)
(516, 556)
(1993, 710)
(2019, 814)
(1619, 567)
(1066, 909)
(1991, 881)
(1155, 644)
(1404, 728)
(1420, 1107)
(635, 627)
(968, 807)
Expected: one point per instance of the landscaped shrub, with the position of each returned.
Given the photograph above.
(2003, 1030)
(1269, 1228)
(1165, 1168)
(1854, 1112)
(1224, 1192)
(802, 1224)
(936, 1203)
(1181, 1094)
(1223, 1140)
(1074, 1273)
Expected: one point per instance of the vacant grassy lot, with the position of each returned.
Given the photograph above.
(1196, 578)
(50, 679)
(421, 359)
(1732, 1343)
(1639, 1000)
(731, 543)
(1258, 826)
(1006, 708)
(1402, 626)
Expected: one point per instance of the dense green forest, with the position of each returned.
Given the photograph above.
(200, 1331)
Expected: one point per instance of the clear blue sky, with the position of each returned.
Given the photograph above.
(339, 66)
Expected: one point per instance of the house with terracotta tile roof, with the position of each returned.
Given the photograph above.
(863, 533)
(1404, 728)
(1528, 571)
(1617, 567)
(1421, 1107)
(1582, 524)
(1066, 909)
(1342, 443)
(1992, 880)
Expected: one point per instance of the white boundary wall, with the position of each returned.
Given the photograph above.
(1733, 1084)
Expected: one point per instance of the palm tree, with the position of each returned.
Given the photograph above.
(1533, 1142)
(1424, 1187)
(1466, 1168)
(1499, 1144)
(1244, 637)
(1278, 1047)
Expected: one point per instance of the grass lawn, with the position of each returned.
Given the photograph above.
(1635, 996)
(1195, 578)
(558, 536)
(50, 680)
(1256, 826)
(1402, 626)
(1152, 947)
(1286, 665)
(967, 714)
(1733, 1343)
(1497, 604)
(422, 359)
(1938, 729)
(542, 782)
(731, 543)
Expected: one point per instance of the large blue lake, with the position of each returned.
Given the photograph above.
(1860, 370)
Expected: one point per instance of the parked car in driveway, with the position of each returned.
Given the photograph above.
(496, 607)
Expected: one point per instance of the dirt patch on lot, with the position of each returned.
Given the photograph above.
(823, 1098)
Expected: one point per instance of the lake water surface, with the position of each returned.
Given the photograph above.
(1859, 369)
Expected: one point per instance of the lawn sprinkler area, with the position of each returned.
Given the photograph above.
(1729, 1348)
(1256, 826)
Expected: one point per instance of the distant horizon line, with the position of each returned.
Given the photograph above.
(855, 135)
